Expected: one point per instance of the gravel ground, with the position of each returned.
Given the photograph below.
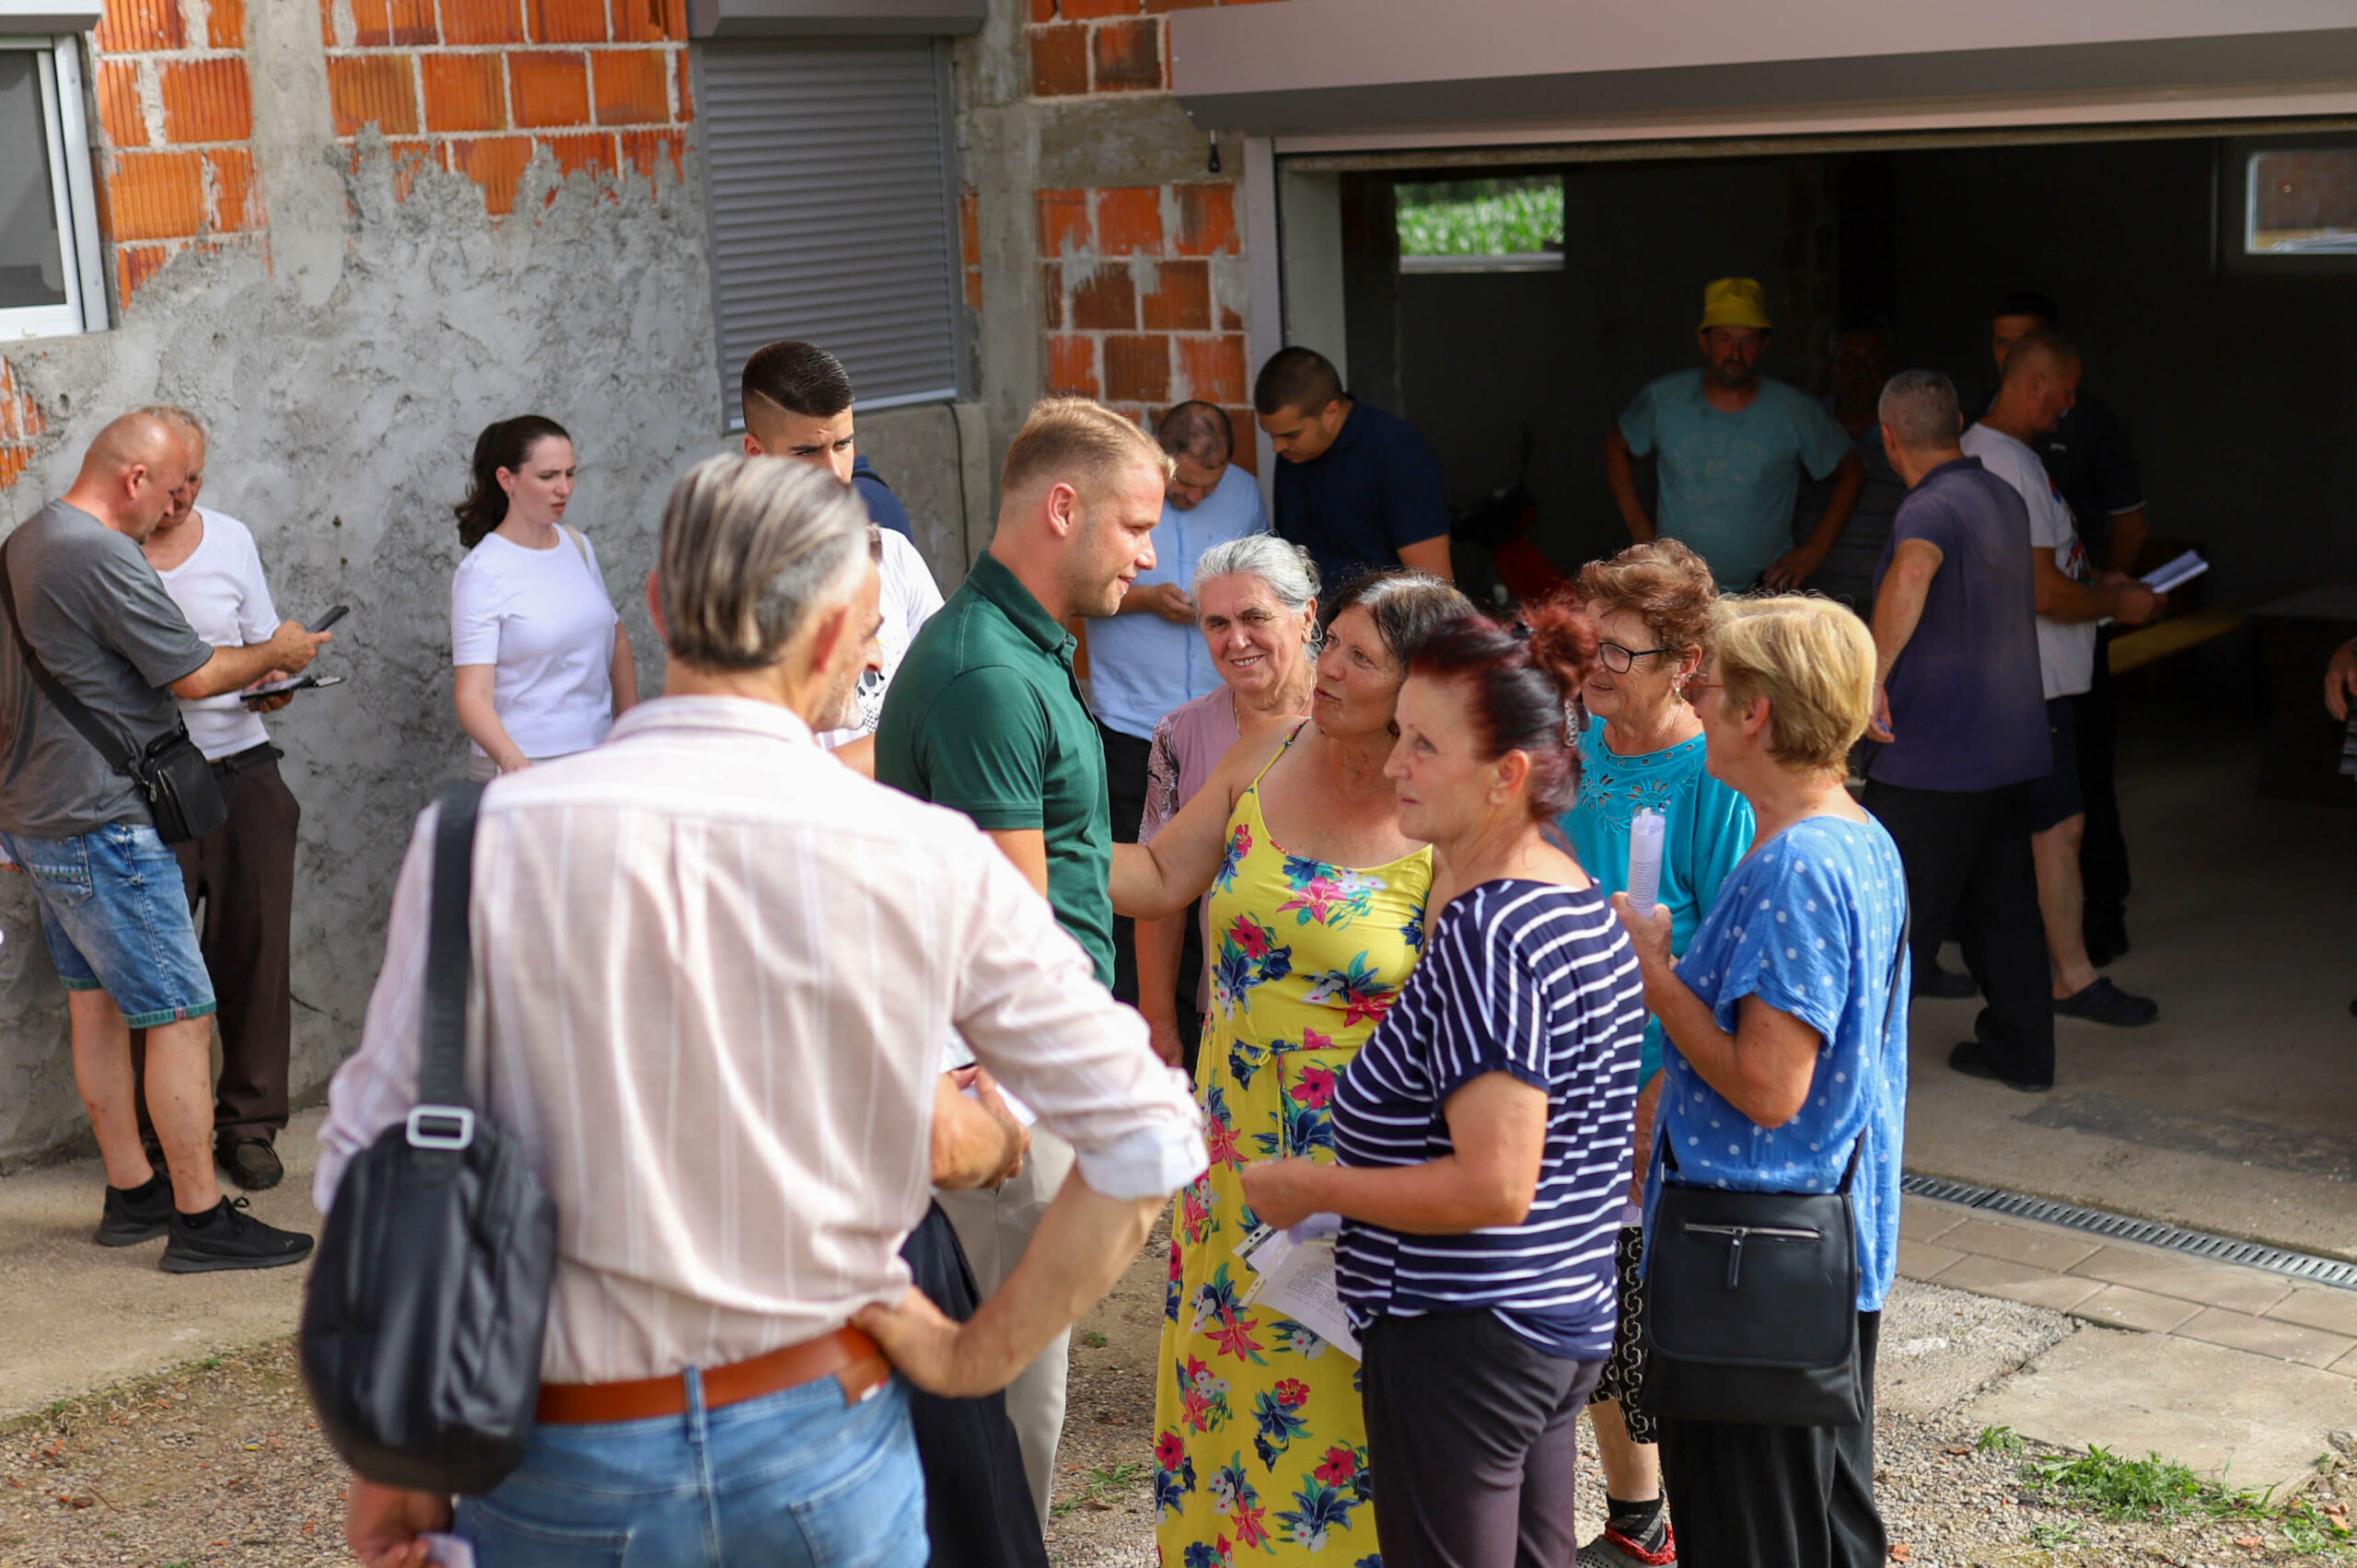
(220, 1463)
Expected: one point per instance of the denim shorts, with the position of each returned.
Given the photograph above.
(114, 912)
(796, 1479)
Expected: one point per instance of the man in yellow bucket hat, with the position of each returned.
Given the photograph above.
(1729, 446)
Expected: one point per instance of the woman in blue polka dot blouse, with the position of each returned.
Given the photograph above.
(1780, 1066)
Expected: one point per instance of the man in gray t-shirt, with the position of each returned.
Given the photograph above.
(113, 910)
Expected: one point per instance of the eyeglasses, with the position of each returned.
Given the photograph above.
(1619, 660)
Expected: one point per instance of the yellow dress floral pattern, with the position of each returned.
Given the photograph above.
(1260, 1446)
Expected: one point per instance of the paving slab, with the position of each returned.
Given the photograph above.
(1927, 1219)
(2334, 1311)
(2019, 1282)
(1923, 1259)
(2188, 1279)
(2047, 1246)
(82, 1317)
(2266, 1336)
(2125, 1307)
(2246, 1419)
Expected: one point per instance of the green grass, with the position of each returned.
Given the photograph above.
(1482, 218)
(1998, 1440)
(2050, 1534)
(1094, 1339)
(1104, 1480)
(2153, 1490)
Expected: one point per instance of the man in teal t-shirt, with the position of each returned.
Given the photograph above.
(1729, 446)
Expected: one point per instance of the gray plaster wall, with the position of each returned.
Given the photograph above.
(345, 377)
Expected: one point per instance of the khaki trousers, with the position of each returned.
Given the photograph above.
(994, 1228)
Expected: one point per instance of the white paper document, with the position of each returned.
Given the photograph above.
(2176, 573)
(1298, 1279)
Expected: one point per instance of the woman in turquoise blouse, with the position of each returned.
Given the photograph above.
(1642, 749)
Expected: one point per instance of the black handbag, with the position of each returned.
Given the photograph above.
(1751, 1298)
(429, 1291)
(170, 770)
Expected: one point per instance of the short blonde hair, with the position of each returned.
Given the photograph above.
(1814, 661)
(1079, 442)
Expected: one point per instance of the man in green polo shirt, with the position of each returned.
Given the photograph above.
(985, 716)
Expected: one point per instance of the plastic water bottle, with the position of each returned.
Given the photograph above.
(1644, 861)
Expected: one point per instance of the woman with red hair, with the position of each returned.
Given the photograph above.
(1484, 1132)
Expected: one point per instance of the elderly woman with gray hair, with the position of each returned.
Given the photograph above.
(1256, 602)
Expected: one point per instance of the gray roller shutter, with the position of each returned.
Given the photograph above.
(828, 182)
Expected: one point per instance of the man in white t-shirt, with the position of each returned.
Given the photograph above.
(242, 872)
(2041, 377)
(797, 401)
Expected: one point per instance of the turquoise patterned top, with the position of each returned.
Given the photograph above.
(1707, 829)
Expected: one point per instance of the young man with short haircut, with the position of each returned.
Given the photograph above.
(986, 716)
(797, 402)
(1356, 487)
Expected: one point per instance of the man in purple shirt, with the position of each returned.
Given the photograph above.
(1961, 714)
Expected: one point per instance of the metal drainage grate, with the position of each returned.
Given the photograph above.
(2149, 1233)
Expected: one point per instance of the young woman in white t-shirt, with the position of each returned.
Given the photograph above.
(543, 663)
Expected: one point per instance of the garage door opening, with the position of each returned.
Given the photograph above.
(2212, 285)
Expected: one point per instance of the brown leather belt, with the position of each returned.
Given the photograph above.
(848, 1355)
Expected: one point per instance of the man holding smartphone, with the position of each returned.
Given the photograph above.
(242, 872)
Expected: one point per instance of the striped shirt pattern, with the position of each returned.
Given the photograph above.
(1538, 980)
(714, 971)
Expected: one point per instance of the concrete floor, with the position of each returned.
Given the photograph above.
(2237, 1111)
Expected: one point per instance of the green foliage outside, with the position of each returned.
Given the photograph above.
(2155, 1490)
(1482, 218)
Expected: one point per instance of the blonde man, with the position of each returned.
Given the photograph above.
(985, 716)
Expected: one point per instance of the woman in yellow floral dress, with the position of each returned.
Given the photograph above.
(1315, 914)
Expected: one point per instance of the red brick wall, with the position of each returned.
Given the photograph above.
(1136, 311)
(175, 123)
(1103, 46)
(21, 426)
(479, 85)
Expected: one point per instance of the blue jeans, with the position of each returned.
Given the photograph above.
(114, 914)
(795, 1478)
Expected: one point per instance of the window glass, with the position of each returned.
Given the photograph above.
(2302, 201)
(1479, 219)
(32, 258)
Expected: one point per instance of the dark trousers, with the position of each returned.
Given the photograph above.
(2103, 853)
(1776, 1496)
(243, 874)
(1969, 868)
(1472, 1435)
(1125, 765)
(977, 1505)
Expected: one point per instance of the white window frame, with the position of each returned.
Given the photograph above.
(58, 60)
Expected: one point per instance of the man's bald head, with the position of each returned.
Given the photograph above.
(2040, 351)
(184, 424)
(130, 472)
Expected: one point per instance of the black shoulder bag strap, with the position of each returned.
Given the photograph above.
(1889, 1011)
(85, 722)
(443, 1118)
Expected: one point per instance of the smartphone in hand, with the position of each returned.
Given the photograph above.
(330, 618)
(281, 687)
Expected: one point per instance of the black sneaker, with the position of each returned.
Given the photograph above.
(1967, 1060)
(234, 1239)
(127, 1224)
(1934, 981)
(251, 1163)
(2104, 1003)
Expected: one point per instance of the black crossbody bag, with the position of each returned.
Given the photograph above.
(429, 1293)
(1751, 1298)
(170, 772)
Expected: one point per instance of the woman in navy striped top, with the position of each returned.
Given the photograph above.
(1484, 1131)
